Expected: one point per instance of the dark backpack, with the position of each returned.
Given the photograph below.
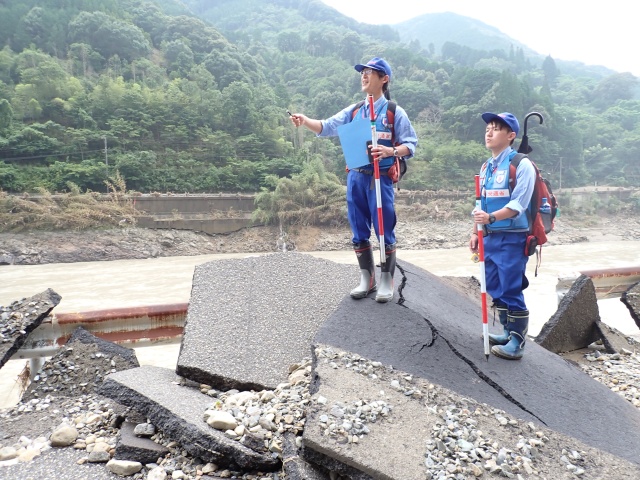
(400, 163)
(539, 223)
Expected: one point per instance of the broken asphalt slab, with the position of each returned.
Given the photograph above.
(576, 324)
(615, 341)
(178, 411)
(573, 325)
(396, 335)
(435, 332)
(394, 446)
(423, 424)
(79, 366)
(249, 319)
(20, 318)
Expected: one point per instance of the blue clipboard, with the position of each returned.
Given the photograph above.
(353, 138)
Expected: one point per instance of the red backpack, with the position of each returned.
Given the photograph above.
(540, 223)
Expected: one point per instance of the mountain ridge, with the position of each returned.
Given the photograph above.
(452, 27)
(473, 33)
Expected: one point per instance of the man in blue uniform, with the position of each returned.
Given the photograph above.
(504, 217)
(375, 76)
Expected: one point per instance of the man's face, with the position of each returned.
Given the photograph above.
(498, 136)
(372, 81)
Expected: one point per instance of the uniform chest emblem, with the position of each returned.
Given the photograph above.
(500, 176)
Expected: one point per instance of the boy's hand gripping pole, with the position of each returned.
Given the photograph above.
(376, 174)
(483, 282)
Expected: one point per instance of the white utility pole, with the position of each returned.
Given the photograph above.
(106, 159)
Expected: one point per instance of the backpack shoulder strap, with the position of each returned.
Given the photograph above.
(355, 109)
(391, 109)
(515, 161)
(391, 118)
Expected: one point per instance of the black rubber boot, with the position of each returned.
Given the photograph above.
(518, 325)
(367, 270)
(502, 339)
(385, 291)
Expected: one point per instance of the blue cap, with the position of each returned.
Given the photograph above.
(507, 118)
(375, 63)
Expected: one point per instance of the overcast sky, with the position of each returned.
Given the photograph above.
(595, 33)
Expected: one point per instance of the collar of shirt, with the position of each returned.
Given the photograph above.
(377, 105)
(498, 160)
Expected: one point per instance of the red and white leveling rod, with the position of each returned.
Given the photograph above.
(376, 176)
(483, 282)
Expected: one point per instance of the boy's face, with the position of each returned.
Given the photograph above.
(372, 81)
(498, 136)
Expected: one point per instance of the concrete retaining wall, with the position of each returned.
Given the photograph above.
(593, 196)
(228, 213)
(187, 204)
(210, 226)
(212, 214)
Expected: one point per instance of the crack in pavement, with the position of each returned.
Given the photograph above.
(403, 283)
(480, 373)
(435, 334)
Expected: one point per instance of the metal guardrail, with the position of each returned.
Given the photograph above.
(135, 327)
(609, 282)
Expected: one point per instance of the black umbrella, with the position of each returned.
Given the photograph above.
(524, 145)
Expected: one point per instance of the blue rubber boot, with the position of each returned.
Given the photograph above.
(385, 290)
(518, 325)
(367, 270)
(502, 339)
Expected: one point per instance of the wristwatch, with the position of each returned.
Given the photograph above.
(395, 152)
(492, 218)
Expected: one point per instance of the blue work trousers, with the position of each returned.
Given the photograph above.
(505, 265)
(362, 208)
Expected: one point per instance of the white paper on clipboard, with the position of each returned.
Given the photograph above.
(353, 138)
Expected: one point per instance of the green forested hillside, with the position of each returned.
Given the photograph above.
(191, 96)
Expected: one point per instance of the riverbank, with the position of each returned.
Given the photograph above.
(40, 247)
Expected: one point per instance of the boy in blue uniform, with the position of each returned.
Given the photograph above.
(361, 194)
(505, 220)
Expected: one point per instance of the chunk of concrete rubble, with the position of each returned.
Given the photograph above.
(244, 328)
(20, 318)
(615, 341)
(178, 411)
(384, 452)
(371, 421)
(573, 326)
(135, 448)
(80, 366)
(631, 298)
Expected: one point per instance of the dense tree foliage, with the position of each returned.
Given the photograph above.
(181, 101)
